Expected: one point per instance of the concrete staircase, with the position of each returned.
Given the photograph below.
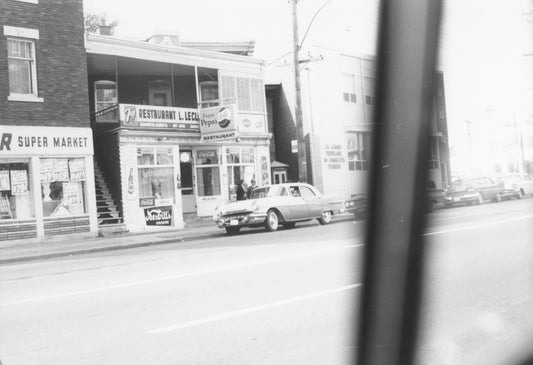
(108, 215)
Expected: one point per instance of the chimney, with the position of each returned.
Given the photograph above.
(104, 29)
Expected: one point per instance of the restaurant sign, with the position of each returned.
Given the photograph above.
(218, 123)
(34, 141)
(151, 116)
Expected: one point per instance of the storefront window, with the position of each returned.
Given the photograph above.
(207, 173)
(156, 173)
(241, 166)
(63, 186)
(15, 197)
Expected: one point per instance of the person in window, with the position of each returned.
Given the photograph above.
(241, 190)
(250, 188)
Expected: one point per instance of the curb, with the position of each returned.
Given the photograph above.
(64, 253)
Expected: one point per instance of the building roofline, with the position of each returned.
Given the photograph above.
(111, 45)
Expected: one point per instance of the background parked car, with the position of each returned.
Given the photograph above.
(435, 198)
(275, 205)
(474, 191)
(357, 204)
(518, 185)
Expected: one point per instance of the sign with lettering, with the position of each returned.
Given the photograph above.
(19, 182)
(151, 116)
(333, 156)
(218, 123)
(36, 141)
(251, 123)
(76, 166)
(4, 180)
(61, 170)
(158, 216)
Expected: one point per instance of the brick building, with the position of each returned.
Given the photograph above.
(46, 147)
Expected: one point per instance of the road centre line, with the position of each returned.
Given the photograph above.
(249, 310)
(476, 226)
(179, 276)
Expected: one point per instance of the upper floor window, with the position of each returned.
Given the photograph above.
(209, 92)
(105, 94)
(22, 74)
(21, 64)
(247, 92)
(348, 88)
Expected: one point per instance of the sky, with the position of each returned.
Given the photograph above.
(482, 41)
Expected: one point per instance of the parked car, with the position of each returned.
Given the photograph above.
(474, 191)
(275, 205)
(517, 185)
(357, 204)
(435, 198)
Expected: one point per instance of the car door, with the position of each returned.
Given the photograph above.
(297, 204)
(313, 201)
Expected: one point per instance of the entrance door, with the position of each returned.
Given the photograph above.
(207, 179)
(280, 176)
(159, 93)
(188, 195)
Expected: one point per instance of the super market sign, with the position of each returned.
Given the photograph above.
(16, 140)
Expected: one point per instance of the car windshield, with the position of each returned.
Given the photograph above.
(267, 192)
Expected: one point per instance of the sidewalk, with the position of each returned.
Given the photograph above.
(11, 252)
(59, 246)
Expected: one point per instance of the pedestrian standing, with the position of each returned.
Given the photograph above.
(250, 189)
(241, 190)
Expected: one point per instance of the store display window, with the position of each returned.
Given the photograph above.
(241, 166)
(63, 186)
(208, 172)
(15, 197)
(156, 173)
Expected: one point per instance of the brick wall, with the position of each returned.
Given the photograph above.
(61, 64)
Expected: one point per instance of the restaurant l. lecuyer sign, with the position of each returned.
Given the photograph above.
(150, 116)
(218, 123)
(32, 141)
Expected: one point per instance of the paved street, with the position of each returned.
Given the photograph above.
(286, 297)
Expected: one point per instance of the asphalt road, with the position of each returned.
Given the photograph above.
(287, 297)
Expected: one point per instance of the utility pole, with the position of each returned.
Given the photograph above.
(468, 125)
(302, 163)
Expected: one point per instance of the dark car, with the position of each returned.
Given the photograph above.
(436, 198)
(476, 190)
(357, 204)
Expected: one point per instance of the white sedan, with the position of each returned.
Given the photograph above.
(275, 205)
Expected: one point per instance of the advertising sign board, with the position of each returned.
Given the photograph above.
(158, 216)
(218, 123)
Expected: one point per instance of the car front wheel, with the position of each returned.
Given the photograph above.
(272, 221)
(325, 218)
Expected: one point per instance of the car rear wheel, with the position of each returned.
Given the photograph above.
(325, 218)
(232, 230)
(479, 199)
(272, 221)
